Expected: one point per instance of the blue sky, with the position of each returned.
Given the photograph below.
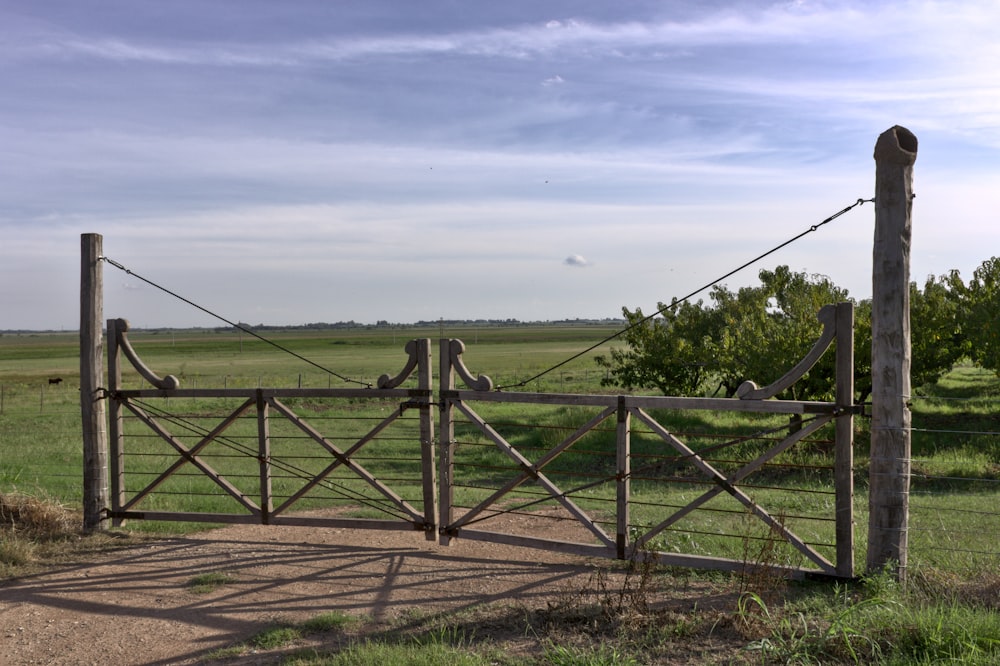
(302, 161)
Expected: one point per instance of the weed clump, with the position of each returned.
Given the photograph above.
(27, 522)
(38, 531)
(36, 518)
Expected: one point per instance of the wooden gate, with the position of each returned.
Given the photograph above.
(262, 458)
(603, 500)
(630, 485)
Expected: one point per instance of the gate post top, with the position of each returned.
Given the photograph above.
(896, 145)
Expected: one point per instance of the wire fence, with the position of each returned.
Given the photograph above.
(40, 441)
(955, 484)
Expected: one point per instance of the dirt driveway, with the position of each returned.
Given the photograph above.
(136, 607)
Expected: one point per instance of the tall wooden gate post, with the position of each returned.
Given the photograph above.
(92, 399)
(889, 472)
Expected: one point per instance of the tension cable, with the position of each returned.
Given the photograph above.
(233, 324)
(677, 301)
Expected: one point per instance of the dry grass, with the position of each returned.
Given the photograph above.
(29, 517)
(38, 532)
(981, 590)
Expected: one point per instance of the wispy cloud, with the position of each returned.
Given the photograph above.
(912, 26)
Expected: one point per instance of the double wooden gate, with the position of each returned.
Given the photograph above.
(597, 475)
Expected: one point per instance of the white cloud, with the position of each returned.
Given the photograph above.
(576, 261)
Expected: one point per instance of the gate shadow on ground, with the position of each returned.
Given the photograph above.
(148, 588)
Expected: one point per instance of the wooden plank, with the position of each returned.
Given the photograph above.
(446, 471)
(725, 564)
(651, 402)
(349, 523)
(116, 425)
(190, 517)
(246, 393)
(264, 457)
(587, 550)
(623, 484)
(843, 465)
(428, 452)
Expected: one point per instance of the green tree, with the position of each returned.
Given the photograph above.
(982, 315)
(937, 336)
(663, 352)
(755, 333)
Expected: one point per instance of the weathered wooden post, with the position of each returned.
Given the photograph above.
(844, 441)
(92, 399)
(428, 453)
(889, 472)
(446, 444)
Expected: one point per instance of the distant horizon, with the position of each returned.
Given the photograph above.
(347, 325)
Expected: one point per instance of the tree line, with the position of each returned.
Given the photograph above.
(759, 332)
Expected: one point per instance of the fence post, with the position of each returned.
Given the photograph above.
(844, 440)
(889, 471)
(92, 406)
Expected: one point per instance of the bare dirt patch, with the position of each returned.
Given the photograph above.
(136, 606)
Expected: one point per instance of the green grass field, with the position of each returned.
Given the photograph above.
(950, 614)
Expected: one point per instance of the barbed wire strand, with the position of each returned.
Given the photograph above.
(678, 301)
(246, 330)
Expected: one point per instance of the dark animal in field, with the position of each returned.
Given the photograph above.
(55, 380)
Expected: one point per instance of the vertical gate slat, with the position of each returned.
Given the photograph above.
(116, 425)
(264, 457)
(447, 443)
(844, 441)
(428, 455)
(624, 478)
